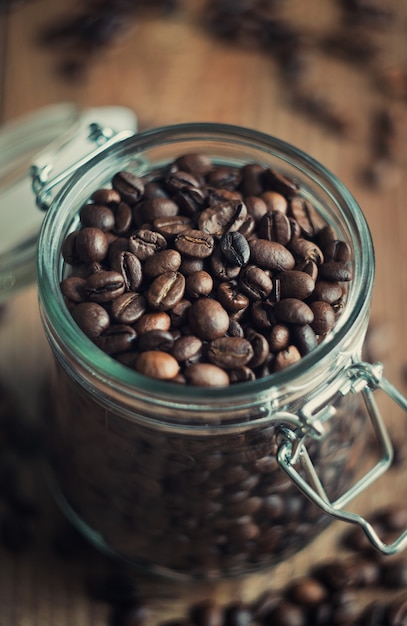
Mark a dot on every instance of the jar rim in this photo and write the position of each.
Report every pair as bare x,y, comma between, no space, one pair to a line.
99,365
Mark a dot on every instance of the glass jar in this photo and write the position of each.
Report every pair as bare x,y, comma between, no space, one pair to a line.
207,483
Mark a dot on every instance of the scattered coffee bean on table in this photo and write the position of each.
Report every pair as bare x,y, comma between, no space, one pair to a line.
217,274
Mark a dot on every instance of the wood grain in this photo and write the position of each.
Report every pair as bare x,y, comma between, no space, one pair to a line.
170,70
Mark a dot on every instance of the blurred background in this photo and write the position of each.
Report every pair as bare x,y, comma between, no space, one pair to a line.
329,76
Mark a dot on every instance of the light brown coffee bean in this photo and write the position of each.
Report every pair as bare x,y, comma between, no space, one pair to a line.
206,375
157,364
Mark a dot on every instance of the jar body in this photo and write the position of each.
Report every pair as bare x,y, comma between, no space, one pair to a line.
174,478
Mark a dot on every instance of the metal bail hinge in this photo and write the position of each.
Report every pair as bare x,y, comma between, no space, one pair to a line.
361,378
43,185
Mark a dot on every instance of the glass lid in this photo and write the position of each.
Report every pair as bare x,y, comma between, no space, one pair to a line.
56,136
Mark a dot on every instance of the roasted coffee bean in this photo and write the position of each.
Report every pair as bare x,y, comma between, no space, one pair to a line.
306,250
91,245
337,251
276,181
309,267
336,271
107,197
279,338
230,352
194,243
129,186
199,284
117,338
157,364
235,248
260,348
186,348
97,216
285,358
224,217
104,286
72,288
179,313
208,319
129,266
324,317
256,207
69,252
206,375
155,340
231,298
274,201
270,255
144,243
154,208
170,227
221,268
295,284
255,282
241,375
275,226
327,291
304,337
163,261
262,315
128,308
153,321
122,219
91,318
166,291
305,215
178,180
293,311
195,163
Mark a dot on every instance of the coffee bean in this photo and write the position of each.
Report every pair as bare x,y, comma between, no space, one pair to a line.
186,348
276,181
279,338
295,284
304,338
73,288
275,226
195,163
117,338
327,291
166,291
293,311
255,283
91,318
194,243
163,261
336,271
324,317
306,591
91,244
208,319
157,364
231,298
155,340
97,216
144,243
199,284
129,266
104,286
107,197
122,219
256,207
305,215
230,352
271,255
206,375
154,208
153,321
224,217
235,248
170,227
306,250
285,358
221,268
129,186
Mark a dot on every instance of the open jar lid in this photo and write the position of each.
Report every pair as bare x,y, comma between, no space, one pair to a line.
57,135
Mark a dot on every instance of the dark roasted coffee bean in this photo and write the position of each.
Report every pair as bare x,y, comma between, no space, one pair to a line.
104,286
279,338
270,255
198,284
206,375
170,227
275,226
324,317
166,291
260,347
122,219
179,313
262,315
129,186
91,318
144,243
224,177
128,308
153,321
163,261
231,298
255,282
72,288
295,284
285,358
230,352
306,591
208,319
309,267
157,364
117,338
336,271
241,375
327,291
251,179
276,181
305,250
179,180
293,311
97,216
305,215
221,268
154,208
186,348
91,245
235,329
235,248
129,266
195,163
69,252
155,340
224,217
194,243
107,197
304,337
337,251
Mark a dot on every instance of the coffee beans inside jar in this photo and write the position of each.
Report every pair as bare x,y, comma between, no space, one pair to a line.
205,274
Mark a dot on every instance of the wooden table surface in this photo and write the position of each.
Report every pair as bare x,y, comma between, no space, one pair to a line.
169,69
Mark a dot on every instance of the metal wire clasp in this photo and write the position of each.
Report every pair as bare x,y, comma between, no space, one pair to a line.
363,378
43,185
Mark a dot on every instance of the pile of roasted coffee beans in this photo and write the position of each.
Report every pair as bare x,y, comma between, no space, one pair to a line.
205,274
